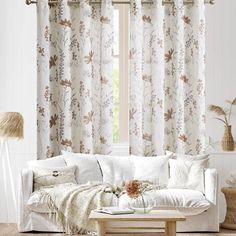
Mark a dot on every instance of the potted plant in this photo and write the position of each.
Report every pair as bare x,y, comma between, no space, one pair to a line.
224,115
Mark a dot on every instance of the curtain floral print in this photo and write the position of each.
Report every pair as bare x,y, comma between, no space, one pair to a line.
74,77
167,88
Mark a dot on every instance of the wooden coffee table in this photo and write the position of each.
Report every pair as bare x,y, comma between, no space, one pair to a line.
169,217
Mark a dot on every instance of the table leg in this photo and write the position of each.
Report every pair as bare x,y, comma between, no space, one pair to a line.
101,228
171,228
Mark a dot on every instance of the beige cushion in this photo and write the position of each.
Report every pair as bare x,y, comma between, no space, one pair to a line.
53,175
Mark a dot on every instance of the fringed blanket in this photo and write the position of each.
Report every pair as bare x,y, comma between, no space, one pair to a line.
73,203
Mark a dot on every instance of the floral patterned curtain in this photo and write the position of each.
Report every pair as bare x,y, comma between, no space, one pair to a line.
74,77
167,83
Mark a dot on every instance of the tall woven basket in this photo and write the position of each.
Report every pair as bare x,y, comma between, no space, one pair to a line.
228,140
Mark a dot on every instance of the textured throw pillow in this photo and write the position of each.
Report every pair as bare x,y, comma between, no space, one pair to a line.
154,169
57,161
87,167
48,176
185,174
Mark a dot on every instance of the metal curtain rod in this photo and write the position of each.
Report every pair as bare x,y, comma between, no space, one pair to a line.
71,2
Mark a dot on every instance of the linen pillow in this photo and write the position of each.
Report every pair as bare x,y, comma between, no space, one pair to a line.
87,167
57,161
48,176
185,174
154,169
116,169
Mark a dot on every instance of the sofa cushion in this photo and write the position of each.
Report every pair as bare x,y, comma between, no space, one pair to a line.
57,161
47,176
88,168
154,169
190,202
116,170
186,174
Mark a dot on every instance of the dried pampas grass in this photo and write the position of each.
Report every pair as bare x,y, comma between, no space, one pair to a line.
217,109
11,125
222,111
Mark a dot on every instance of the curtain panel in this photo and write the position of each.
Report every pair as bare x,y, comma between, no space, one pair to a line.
74,77
167,77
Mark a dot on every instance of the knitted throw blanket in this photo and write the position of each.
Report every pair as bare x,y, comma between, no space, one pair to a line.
73,203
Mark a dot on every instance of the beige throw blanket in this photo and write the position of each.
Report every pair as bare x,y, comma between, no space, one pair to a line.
73,203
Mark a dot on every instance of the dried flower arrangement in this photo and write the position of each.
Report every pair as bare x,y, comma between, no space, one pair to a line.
135,189
225,116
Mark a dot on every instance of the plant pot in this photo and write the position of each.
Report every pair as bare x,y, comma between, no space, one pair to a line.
228,140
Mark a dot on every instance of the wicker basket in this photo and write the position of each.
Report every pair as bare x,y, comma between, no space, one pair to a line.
228,140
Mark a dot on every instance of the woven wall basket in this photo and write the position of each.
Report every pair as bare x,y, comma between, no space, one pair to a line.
228,140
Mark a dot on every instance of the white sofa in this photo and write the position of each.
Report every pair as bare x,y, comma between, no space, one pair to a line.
201,209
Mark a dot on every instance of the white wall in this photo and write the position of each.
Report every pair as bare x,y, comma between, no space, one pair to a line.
221,63
18,71
18,82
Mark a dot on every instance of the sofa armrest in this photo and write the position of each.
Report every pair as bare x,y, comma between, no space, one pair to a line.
211,185
26,184
25,190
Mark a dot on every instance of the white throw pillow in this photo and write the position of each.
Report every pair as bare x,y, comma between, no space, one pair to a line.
154,169
47,176
57,161
116,169
87,167
188,157
186,174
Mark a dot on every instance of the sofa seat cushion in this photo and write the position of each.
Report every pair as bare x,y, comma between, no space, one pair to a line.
38,202
189,202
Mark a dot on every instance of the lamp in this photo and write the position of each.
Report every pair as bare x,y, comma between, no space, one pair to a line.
11,126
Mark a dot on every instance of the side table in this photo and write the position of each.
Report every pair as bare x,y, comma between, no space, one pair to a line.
230,217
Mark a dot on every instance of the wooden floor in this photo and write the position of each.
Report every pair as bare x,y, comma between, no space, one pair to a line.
11,230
